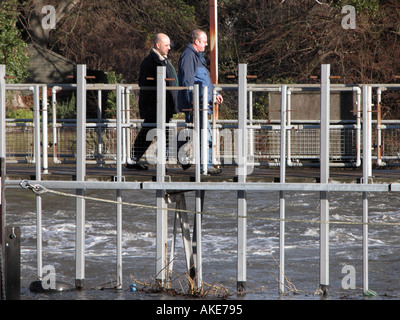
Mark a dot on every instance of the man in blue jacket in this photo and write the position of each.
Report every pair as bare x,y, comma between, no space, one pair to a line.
192,69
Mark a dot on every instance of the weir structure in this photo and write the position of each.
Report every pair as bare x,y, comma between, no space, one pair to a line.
169,191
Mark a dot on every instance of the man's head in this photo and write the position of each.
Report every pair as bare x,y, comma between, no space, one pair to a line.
199,40
162,43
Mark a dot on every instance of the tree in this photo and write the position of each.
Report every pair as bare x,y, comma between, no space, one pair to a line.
33,15
290,40
12,47
113,35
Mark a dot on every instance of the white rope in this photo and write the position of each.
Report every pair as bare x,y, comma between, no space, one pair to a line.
38,189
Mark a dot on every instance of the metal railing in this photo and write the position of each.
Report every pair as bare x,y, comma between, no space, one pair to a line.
58,137
244,143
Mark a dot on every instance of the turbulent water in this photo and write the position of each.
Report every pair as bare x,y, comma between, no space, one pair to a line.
219,242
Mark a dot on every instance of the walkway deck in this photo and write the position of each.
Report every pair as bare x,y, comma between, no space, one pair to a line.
176,174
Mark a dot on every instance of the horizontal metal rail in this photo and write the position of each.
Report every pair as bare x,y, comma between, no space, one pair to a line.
243,138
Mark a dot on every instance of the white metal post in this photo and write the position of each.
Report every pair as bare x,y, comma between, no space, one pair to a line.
242,173
367,173
2,111
197,233
80,174
162,214
99,129
45,139
38,198
196,132
118,192
282,203
161,126
36,124
204,132
2,172
54,122
324,177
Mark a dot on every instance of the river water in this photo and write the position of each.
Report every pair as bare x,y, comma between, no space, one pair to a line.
219,243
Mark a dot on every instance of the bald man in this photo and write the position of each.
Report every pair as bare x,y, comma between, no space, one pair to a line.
148,98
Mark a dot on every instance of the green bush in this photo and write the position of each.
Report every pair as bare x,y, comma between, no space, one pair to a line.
66,109
12,47
20,114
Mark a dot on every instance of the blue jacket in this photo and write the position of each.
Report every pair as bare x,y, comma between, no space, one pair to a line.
192,69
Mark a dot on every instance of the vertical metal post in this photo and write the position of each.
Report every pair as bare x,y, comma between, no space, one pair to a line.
216,157
45,139
324,177
242,124
365,239
187,244
179,198
118,92
9,237
162,214
199,194
13,263
2,111
197,235
124,107
2,226
99,129
128,130
242,173
80,174
118,192
213,40
2,177
251,131
119,240
242,241
196,132
39,247
38,198
204,132
367,172
161,126
281,193
54,123
36,123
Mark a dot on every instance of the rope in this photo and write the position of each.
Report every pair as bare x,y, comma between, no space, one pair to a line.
38,189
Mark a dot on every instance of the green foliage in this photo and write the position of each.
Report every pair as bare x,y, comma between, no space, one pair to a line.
12,47
369,6
110,111
260,107
20,114
66,109
112,77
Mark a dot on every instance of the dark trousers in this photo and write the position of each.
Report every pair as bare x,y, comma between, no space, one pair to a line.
141,143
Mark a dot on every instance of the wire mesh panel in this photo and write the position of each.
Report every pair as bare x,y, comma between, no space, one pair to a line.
19,141
302,144
266,144
101,143
389,144
66,143
343,143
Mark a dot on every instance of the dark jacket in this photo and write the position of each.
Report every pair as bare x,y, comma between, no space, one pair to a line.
148,98
192,69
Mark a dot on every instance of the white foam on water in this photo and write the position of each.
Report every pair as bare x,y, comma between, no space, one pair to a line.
219,241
